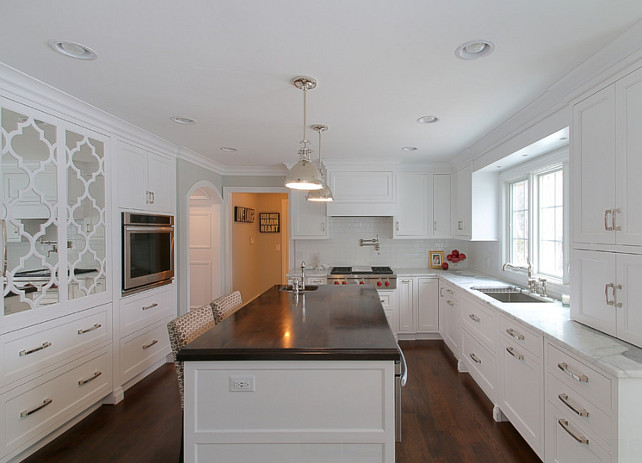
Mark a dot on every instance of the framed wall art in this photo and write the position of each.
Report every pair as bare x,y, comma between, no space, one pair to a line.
243,214
269,222
436,258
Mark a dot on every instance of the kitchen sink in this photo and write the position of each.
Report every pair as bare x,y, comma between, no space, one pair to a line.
290,289
511,294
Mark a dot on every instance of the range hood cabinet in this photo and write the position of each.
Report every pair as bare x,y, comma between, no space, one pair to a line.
361,193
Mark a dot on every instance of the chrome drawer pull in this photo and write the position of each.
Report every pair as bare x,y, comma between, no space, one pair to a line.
34,410
474,357
606,219
22,353
85,381
564,398
576,376
512,352
95,327
450,303
150,306
474,318
147,346
567,427
450,291
515,334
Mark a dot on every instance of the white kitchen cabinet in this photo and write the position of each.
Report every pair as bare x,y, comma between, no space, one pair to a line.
418,299
606,162
308,219
413,205
476,200
359,192
521,380
405,290
427,305
606,292
143,332
146,180
590,416
450,317
388,300
441,206
479,341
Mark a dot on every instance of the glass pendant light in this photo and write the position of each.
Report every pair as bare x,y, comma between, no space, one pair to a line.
324,195
304,175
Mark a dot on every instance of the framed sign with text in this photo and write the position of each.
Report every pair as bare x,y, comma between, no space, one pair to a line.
243,214
269,222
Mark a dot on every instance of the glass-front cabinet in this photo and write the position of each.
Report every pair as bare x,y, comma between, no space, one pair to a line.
53,215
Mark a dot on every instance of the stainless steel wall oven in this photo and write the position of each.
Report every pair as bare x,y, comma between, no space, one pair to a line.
148,251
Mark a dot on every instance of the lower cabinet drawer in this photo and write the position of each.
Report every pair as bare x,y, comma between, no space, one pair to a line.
39,348
482,364
569,442
143,310
581,409
33,410
480,320
582,378
141,351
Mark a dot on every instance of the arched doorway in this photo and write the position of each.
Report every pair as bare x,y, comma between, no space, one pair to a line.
205,259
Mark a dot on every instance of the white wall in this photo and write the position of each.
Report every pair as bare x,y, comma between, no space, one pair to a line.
343,246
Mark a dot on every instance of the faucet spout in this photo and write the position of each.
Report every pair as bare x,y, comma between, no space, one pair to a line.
303,275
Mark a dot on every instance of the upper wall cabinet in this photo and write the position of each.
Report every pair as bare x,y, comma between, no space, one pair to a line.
308,219
52,177
414,204
475,205
606,163
422,206
361,193
146,180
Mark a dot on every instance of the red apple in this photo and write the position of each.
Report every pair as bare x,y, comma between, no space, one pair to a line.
455,259
444,265
449,257
462,256
455,253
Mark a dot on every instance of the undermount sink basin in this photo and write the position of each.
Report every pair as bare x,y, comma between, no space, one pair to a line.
290,289
511,294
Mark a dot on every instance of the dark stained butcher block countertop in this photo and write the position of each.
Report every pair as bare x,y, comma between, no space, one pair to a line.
331,323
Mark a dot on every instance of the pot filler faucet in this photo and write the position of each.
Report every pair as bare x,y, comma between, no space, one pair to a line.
536,285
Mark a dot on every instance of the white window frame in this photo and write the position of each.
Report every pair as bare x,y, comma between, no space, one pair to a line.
531,170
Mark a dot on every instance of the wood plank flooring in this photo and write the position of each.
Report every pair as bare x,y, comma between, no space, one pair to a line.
446,418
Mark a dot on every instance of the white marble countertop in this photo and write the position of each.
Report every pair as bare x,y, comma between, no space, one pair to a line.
616,357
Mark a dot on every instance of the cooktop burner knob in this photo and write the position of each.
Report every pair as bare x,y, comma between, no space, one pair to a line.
362,282
379,283
387,283
344,282
336,282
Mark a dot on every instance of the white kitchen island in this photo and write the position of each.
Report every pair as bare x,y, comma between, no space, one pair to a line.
308,378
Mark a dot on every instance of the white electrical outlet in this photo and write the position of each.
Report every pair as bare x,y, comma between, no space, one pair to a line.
241,383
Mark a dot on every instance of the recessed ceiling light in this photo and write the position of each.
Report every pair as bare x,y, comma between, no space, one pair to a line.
427,119
410,148
73,49
228,148
474,49
183,120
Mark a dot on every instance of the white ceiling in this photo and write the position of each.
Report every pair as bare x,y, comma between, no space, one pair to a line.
380,64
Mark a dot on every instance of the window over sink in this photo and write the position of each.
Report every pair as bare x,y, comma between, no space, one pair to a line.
535,218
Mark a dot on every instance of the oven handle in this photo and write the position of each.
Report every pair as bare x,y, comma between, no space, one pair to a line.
404,367
150,228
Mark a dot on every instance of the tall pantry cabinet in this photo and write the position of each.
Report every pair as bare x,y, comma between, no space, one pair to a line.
55,310
606,165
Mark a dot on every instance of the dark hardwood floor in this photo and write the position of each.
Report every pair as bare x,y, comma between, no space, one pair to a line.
446,418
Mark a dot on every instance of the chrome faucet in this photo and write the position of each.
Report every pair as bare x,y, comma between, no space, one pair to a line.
302,275
532,282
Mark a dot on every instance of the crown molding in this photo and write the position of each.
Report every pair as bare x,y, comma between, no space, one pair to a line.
273,171
613,60
22,88
200,160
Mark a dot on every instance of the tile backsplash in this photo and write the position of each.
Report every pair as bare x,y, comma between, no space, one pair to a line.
343,247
